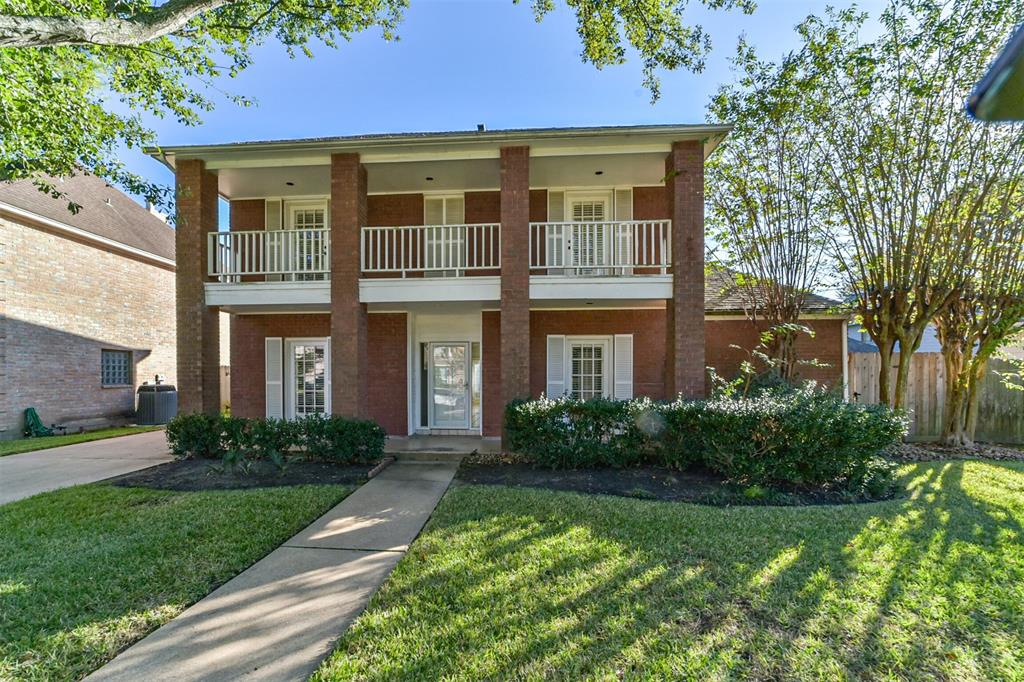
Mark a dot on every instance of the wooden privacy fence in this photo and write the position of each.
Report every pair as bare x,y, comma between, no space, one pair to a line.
1000,413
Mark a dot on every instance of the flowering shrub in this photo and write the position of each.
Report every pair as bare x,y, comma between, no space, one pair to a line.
808,437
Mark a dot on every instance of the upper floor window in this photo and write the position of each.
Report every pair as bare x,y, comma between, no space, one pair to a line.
116,367
444,210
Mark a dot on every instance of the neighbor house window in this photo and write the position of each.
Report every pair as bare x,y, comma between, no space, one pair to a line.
116,367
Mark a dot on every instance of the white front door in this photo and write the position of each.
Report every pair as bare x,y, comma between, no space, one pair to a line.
449,385
308,378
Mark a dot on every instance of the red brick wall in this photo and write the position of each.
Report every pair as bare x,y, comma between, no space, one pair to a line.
684,185
198,343
538,205
646,326
247,215
349,366
62,302
248,354
483,207
826,347
394,210
388,382
494,408
515,273
650,203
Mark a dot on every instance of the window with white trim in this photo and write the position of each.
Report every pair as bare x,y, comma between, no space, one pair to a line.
590,366
116,367
587,369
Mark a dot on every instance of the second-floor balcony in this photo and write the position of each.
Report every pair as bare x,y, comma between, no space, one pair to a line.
567,260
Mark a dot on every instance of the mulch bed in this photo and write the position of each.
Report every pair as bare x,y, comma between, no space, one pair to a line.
922,452
208,474
646,482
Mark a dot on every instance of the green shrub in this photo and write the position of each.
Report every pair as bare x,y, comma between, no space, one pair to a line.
340,439
239,439
807,437
567,433
195,435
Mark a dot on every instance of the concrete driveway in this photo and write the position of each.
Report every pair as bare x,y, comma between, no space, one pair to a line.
36,472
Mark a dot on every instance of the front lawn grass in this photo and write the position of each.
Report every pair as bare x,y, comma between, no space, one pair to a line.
87,570
14,447
512,583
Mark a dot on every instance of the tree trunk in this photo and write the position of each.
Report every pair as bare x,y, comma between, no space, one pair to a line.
973,400
956,396
885,346
899,400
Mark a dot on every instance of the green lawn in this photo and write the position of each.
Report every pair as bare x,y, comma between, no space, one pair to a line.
87,570
13,447
528,584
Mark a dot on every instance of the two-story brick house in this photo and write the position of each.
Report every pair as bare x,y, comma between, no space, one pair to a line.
425,280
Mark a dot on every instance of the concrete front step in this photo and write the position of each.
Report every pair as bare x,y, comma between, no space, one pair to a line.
428,456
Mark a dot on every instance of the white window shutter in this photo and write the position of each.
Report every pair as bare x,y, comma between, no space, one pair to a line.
433,211
455,210
273,214
274,374
556,207
556,366
624,204
623,366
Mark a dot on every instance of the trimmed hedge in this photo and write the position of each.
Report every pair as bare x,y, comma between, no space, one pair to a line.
807,437
329,438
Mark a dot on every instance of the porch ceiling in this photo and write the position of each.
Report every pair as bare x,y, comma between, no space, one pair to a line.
592,170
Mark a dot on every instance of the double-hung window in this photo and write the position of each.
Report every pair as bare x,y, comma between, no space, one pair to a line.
116,367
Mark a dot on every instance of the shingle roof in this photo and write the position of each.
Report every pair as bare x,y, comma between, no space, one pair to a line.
106,212
723,296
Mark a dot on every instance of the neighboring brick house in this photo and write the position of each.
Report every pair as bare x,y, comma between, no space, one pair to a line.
425,280
86,303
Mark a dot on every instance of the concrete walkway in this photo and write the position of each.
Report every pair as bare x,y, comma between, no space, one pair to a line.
280,618
35,472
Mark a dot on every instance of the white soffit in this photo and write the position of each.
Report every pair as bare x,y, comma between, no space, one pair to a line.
464,175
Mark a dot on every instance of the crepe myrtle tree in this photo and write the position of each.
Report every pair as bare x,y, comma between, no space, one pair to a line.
908,174
79,75
988,312
766,199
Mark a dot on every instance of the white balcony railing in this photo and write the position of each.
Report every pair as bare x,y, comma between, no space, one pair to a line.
439,250
277,254
616,248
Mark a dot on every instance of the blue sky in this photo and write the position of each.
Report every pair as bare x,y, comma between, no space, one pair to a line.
463,62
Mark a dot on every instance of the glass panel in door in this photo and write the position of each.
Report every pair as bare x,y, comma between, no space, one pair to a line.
449,376
589,240
309,373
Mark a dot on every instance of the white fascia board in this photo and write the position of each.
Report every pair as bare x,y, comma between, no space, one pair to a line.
461,145
429,289
595,288
238,295
84,235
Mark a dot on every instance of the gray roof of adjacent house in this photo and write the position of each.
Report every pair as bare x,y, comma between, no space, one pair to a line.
106,212
722,295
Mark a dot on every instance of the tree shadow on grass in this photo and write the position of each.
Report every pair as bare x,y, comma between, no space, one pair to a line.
508,584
